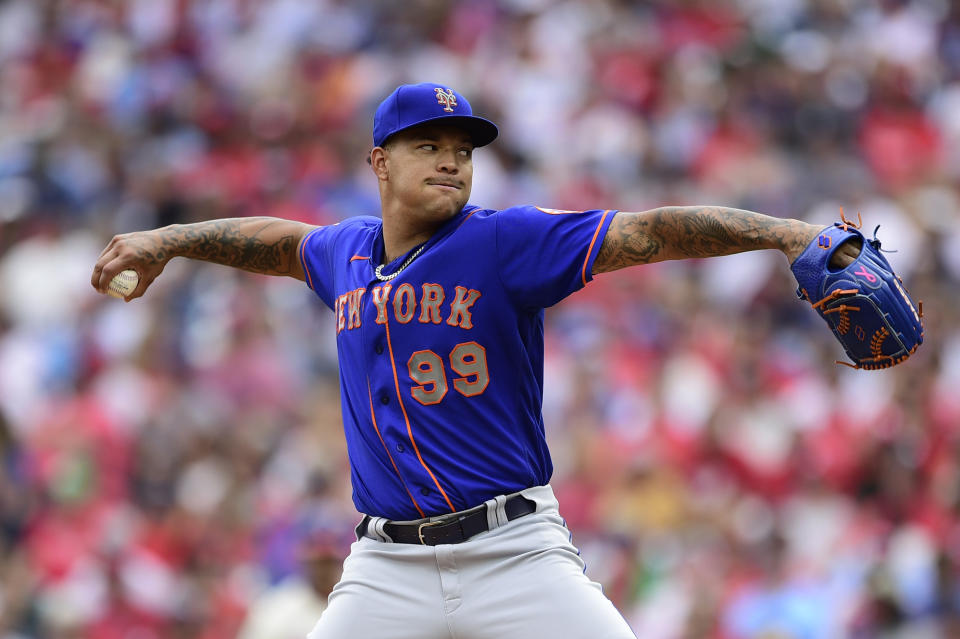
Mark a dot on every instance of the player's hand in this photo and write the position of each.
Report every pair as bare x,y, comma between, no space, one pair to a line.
846,254
807,233
142,251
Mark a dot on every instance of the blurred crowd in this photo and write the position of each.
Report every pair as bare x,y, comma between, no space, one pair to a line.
170,463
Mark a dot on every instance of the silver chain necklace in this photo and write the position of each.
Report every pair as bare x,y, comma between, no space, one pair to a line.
386,278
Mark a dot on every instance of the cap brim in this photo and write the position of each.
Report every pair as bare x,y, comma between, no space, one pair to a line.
482,131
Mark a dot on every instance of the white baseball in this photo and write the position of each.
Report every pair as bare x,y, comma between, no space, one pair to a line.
123,283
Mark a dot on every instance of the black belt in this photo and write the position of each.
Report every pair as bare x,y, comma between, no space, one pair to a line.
453,528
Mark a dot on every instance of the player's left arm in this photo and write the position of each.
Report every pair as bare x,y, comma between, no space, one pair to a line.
680,232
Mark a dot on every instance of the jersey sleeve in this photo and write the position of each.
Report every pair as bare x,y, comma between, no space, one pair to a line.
544,255
316,256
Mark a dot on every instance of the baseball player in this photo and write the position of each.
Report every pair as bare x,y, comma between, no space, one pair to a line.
439,319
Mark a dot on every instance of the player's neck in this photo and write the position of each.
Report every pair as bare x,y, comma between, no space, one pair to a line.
403,232
399,239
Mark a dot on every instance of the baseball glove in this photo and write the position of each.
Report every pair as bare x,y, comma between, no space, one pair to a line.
865,303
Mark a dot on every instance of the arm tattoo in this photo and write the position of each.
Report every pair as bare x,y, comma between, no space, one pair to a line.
629,240
247,243
693,231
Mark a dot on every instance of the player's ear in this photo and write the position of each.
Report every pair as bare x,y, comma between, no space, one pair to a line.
378,162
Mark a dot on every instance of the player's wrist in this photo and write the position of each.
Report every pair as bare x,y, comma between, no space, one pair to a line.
169,242
797,238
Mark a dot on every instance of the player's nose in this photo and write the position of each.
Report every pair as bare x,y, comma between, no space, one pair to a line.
447,163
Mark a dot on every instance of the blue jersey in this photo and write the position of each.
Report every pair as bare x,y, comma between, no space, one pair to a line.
441,368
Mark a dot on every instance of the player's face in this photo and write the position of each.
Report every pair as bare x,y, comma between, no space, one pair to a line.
428,171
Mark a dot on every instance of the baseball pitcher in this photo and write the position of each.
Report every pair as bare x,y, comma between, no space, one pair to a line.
439,319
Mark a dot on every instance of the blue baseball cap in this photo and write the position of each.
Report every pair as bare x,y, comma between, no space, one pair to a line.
413,104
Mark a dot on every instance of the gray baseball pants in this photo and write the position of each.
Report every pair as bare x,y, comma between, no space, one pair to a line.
522,579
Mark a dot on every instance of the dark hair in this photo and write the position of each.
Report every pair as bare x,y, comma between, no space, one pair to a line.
386,144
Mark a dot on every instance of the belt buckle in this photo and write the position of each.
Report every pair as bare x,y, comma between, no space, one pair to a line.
425,525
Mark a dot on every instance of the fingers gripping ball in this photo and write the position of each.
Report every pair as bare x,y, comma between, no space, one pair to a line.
123,284
865,304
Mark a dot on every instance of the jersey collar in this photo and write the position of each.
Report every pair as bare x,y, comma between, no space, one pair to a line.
451,225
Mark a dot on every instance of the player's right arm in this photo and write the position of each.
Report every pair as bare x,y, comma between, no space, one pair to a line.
265,245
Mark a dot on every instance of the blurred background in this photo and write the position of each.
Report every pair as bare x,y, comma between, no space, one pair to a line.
174,464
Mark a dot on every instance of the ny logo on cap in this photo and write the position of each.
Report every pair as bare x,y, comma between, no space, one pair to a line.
446,98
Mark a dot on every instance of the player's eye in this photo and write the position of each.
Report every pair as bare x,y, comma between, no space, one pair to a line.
465,152
428,147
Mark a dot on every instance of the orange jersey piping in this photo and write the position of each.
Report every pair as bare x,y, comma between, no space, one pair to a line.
592,242
376,428
403,408
466,218
303,263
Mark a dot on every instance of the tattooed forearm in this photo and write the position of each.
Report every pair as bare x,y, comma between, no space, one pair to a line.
264,245
258,244
680,232
246,243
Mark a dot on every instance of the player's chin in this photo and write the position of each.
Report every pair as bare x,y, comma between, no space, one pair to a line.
448,203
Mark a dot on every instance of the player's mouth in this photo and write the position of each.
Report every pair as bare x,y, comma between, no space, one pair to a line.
446,185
